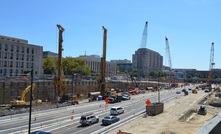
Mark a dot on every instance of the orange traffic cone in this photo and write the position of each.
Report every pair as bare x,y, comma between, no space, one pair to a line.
72,117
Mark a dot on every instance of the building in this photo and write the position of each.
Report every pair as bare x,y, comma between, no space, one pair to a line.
121,61
145,60
47,54
124,65
94,62
17,56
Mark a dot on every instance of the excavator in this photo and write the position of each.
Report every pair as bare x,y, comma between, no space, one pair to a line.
20,100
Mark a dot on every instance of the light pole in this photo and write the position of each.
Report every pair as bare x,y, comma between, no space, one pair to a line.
72,89
75,78
158,87
30,106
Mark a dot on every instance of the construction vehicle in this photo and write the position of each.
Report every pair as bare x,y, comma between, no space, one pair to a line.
194,91
59,81
20,100
105,92
202,110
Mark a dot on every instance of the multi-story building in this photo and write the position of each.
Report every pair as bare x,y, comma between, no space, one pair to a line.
47,54
17,56
145,60
124,65
94,62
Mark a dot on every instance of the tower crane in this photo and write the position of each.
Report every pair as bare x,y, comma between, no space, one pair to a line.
170,63
211,64
58,80
144,37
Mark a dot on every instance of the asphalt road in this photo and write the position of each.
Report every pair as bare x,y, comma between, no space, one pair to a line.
59,120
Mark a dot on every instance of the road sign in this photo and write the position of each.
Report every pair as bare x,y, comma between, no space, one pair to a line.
148,103
106,100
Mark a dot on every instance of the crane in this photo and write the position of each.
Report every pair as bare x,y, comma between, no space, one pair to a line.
170,62
211,64
103,64
58,81
144,37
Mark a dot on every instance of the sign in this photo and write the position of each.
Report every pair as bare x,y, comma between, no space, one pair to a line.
106,100
148,103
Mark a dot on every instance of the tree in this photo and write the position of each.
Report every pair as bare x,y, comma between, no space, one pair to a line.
75,65
49,65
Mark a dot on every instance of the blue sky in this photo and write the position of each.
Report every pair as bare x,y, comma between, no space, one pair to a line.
190,25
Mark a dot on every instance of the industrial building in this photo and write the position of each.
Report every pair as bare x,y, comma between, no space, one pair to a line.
145,60
18,56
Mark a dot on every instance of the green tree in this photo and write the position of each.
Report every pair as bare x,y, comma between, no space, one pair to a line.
49,65
75,65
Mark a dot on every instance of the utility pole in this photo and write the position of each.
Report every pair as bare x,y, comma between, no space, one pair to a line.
30,106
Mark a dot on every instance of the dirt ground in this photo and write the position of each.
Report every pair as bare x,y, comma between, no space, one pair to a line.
174,119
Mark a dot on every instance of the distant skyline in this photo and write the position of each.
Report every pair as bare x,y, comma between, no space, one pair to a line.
190,26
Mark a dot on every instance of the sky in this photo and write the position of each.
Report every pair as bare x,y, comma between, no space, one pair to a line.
190,26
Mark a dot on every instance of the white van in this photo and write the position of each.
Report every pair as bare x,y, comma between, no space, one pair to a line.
116,110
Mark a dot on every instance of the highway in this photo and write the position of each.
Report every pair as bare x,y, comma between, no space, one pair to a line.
59,120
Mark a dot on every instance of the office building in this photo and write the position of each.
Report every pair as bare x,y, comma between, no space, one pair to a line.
145,60
18,56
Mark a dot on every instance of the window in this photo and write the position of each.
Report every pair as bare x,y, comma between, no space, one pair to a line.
5,63
11,56
11,64
0,46
23,49
17,48
12,48
16,56
5,55
32,51
27,50
6,47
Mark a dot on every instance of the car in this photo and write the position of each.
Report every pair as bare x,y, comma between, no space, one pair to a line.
40,132
126,97
116,110
178,92
89,119
108,120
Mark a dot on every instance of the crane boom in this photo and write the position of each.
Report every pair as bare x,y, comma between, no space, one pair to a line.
144,37
211,64
171,76
168,52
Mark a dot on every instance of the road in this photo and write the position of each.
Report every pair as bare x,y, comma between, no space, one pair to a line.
59,120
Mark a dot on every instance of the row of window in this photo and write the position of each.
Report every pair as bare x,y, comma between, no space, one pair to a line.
18,56
11,48
17,64
10,72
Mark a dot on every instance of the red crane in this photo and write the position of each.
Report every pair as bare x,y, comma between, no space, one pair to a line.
211,64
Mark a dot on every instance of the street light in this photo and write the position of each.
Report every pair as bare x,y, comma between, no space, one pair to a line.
73,79
158,87
30,106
